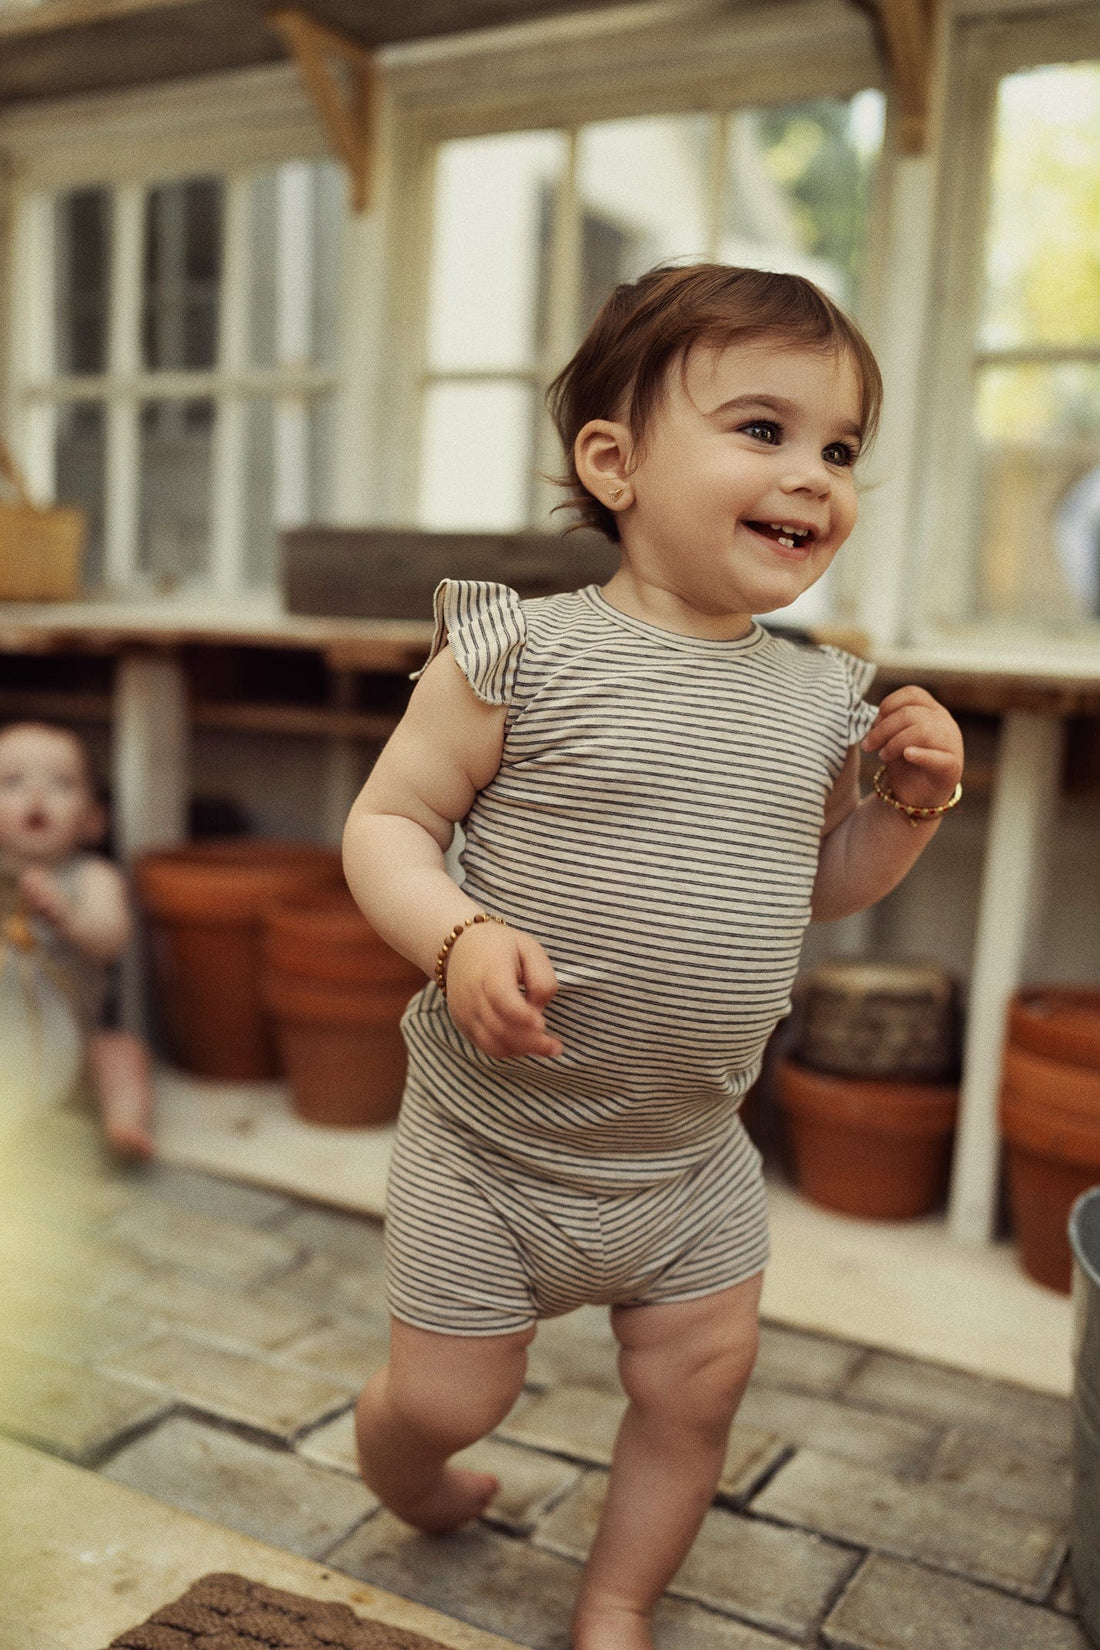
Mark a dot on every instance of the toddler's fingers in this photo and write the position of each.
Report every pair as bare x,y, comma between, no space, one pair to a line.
926,756
540,983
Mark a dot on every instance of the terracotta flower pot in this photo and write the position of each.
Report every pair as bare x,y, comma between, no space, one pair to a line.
203,902
336,993
1062,1023
1050,1119
868,1147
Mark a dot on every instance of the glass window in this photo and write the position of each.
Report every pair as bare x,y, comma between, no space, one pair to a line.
82,225
1037,380
533,230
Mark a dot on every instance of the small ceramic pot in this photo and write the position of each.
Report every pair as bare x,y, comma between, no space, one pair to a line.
203,903
868,1147
1062,1023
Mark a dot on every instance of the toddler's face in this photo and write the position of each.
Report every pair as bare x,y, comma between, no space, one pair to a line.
743,487
46,804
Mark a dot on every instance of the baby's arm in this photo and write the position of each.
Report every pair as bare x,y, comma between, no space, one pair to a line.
95,920
446,748
867,846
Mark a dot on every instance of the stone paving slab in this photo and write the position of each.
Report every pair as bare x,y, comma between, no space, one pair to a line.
58,1325
84,1559
806,1363
260,1393
70,1411
354,1242
220,1249
580,1423
206,1194
92,1270
489,1580
678,1625
838,1429
870,1509
578,1349
777,1579
346,1351
1021,1479
273,1496
894,1606
322,1283
211,1311
955,1399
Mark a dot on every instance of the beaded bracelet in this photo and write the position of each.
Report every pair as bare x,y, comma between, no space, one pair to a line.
445,948
915,816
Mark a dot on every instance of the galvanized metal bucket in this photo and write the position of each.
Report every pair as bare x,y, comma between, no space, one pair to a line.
1084,1237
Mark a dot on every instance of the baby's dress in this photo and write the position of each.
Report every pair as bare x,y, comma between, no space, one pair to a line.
50,998
655,823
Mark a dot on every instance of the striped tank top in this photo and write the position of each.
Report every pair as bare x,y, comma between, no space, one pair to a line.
655,823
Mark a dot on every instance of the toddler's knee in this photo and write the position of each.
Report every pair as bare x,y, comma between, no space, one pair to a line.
700,1392
451,1415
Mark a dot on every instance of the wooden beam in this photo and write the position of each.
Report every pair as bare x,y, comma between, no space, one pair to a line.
908,35
347,111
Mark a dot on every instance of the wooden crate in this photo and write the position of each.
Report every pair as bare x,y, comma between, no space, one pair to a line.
391,572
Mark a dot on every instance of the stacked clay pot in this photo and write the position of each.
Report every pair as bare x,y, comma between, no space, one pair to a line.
869,1095
335,993
203,904
1050,1119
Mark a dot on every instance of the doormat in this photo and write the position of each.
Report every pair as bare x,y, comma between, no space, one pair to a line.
229,1612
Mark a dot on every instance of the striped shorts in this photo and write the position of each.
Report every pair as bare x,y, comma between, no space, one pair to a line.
476,1247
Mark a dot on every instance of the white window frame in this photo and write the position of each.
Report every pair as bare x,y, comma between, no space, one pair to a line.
630,62
983,49
227,126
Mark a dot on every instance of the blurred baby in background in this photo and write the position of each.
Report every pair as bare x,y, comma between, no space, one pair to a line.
64,920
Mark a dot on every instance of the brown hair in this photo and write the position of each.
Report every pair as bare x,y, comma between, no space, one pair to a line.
620,370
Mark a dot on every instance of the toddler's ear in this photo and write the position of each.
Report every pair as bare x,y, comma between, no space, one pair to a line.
602,454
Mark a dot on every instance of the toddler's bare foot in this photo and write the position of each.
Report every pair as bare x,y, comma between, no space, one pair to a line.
610,1627
129,1139
457,1497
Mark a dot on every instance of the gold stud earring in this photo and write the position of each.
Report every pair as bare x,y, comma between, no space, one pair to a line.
617,494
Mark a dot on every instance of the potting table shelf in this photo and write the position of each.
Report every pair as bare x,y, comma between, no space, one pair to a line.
1032,686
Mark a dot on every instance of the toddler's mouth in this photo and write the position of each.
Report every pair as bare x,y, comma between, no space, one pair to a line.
784,533
36,820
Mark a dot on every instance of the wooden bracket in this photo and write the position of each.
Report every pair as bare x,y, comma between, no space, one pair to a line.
347,109
908,36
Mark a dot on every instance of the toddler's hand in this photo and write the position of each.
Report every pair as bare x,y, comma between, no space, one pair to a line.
486,969
920,745
43,895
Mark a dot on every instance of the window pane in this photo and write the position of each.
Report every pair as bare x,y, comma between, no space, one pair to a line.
477,460
1043,243
183,255
798,189
298,218
80,476
82,223
642,188
174,521
287,477
1039,503
493,207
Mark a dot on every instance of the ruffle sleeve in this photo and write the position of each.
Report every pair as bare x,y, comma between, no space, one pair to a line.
858,675
486,629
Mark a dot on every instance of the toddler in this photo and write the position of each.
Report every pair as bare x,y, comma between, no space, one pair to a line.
64,918
657,796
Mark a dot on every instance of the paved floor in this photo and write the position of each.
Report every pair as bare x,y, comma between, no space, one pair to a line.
203,1342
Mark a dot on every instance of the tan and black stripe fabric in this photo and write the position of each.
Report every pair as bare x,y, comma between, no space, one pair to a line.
655,823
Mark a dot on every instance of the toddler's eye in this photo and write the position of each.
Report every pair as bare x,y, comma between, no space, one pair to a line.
762,429
840,453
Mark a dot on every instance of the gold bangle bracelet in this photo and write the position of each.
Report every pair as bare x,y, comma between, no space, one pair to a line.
915,816
445,948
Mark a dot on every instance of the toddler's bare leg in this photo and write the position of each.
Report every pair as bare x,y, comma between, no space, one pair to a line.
437,1394
123,1083
684,1366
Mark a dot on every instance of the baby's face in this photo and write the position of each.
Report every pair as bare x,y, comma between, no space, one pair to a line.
46,804
743,486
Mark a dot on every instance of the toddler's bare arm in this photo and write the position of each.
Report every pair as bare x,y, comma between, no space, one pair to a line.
446,748
866,846
95,919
